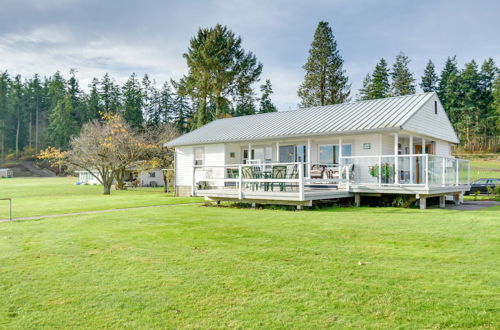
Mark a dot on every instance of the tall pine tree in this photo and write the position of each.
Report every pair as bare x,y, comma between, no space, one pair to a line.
325,80
364,91
403,82
448,88
62,124
132,101
379,87
429,79
265,103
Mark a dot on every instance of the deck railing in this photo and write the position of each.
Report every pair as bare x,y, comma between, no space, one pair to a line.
269,178
296,178
418,169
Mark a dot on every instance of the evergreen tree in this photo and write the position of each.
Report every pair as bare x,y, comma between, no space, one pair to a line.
325,80
403,82
487,77
218,68
495,114
379,87
62,124
266,105
4,111
468,114
245,105
109,94
93,106
448,89
76,96
132,102
17,114
429,79
167,112
364,92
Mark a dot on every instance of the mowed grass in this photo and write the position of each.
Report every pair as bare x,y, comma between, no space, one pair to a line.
42,196
206,267
487,166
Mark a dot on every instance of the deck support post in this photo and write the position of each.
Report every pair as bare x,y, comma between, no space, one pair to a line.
301,181
442,202
422,202
456,199
357,199
299,207
253,205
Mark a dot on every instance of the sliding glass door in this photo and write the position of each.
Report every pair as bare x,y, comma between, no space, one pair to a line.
329,153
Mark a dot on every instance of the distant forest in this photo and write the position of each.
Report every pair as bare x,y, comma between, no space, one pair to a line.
224,80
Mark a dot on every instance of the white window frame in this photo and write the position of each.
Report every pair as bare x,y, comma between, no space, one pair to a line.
331,145
202,156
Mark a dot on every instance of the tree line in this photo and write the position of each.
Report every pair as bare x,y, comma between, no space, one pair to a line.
470,96
47,111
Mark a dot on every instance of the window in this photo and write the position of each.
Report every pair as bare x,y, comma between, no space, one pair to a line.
329,153
480,181
198,156
435,107
152,174
287,154
367,145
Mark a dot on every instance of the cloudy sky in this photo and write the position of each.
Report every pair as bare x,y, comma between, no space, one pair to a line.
149,36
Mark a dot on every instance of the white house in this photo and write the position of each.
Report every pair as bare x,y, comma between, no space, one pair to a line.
397,145
148,178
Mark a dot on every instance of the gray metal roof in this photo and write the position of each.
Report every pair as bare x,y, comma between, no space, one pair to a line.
381,114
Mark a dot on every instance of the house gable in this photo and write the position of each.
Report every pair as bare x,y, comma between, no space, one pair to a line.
427,121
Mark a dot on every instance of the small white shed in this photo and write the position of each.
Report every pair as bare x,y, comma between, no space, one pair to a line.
6,173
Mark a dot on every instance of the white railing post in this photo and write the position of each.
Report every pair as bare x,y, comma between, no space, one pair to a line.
426,171
457,168
240,182
443,179
309,158
379,171
301,181
348,177
396,152
411,158
193,185
468,172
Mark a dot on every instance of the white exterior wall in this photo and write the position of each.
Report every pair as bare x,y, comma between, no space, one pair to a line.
442,148
213,155
146,179
427,122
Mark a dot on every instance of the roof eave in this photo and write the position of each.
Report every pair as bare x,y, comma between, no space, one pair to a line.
267,138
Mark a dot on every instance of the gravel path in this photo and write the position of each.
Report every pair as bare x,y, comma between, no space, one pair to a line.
92,212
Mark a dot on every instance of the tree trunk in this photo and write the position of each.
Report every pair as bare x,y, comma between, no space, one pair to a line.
17,137
107,189
165,179
30,129
119,175
36,129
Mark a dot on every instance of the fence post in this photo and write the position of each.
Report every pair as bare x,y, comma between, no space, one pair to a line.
240,183
426,171
379,170
443,179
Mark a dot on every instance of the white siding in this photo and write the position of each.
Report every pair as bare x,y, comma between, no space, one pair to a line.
443,148
426,122
183,166
213,155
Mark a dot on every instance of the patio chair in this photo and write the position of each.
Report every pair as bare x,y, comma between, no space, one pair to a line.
248,173
293,173
278,172
317,171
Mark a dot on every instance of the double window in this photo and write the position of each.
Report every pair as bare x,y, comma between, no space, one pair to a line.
261,154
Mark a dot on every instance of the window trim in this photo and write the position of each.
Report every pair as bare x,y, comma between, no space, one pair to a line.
202,156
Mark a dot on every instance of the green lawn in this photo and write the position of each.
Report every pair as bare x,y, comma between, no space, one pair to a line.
42,196
207,267
483,166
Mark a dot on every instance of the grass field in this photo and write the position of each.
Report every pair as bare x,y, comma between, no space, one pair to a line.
206,267
483,166
42,196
